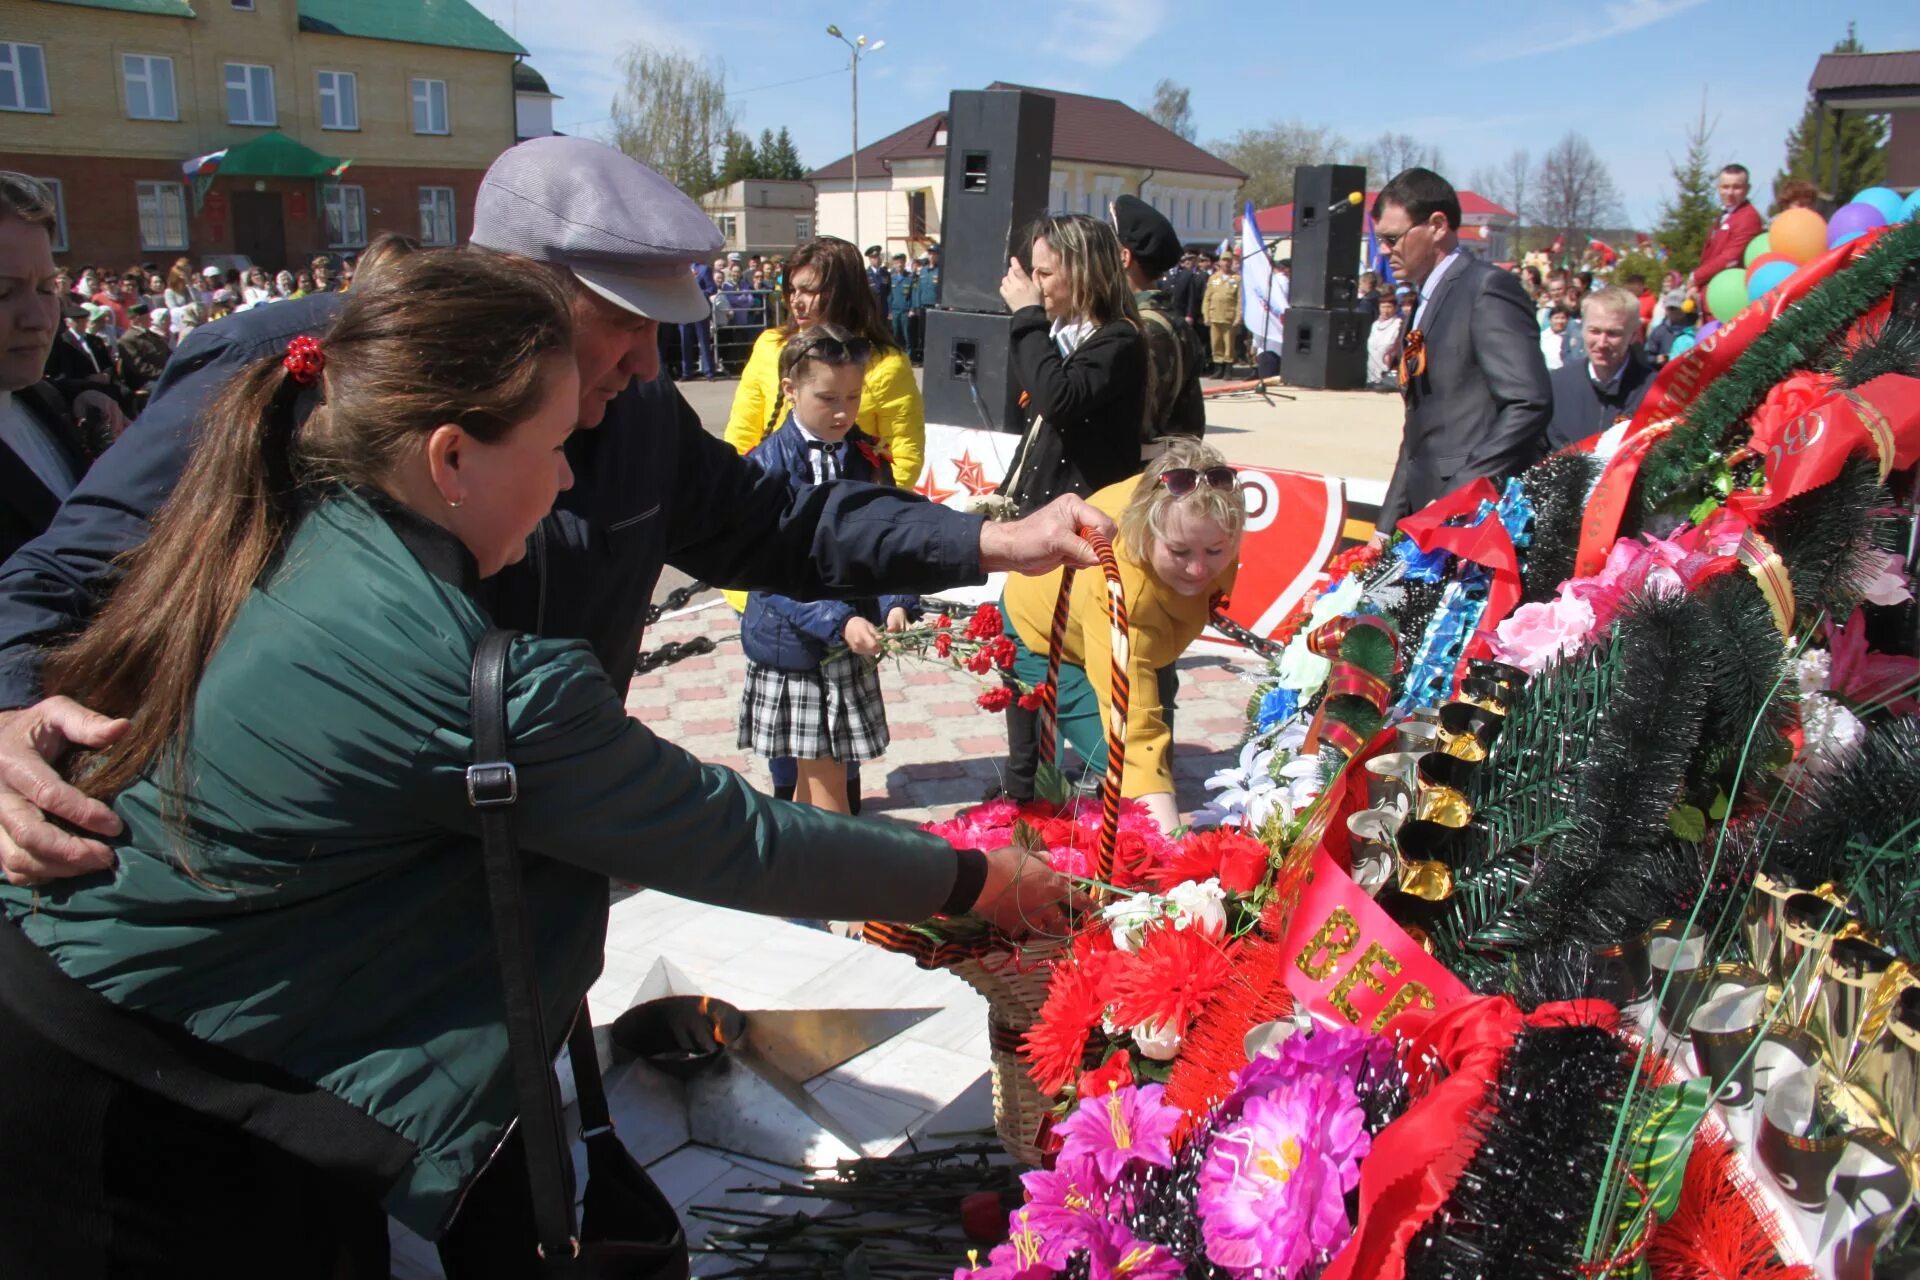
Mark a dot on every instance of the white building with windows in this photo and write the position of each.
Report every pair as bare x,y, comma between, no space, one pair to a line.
762,215
1102,148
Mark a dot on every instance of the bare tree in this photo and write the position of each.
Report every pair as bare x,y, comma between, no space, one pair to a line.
1172,108
1575,192
1391,152
1268,156
1509,183
671,114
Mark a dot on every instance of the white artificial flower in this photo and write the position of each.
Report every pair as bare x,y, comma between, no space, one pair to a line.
1201,904
1303,780
1129,917
1813,671
1158,1041
1300,667
1832,733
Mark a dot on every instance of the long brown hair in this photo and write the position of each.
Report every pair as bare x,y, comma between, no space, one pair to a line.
180,277
435,337
1097,288
845,299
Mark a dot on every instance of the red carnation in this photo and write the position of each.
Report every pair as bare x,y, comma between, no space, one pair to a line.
1240,861
985,623
1169,979
1031,701
998,698
1001,650
943,643
978,662
943,621
1115,1073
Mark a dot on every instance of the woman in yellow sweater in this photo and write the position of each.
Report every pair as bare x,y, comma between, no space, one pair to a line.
1179,545
826,280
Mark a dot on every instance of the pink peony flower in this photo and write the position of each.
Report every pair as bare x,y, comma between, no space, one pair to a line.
1273,1187
1111,1132
1535,634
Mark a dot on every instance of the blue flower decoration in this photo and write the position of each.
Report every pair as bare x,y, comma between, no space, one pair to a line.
1277,706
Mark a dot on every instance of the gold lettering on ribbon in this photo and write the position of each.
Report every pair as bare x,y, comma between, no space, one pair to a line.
1334,939
1362,975
1402,999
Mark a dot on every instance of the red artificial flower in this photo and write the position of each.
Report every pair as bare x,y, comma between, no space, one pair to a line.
1057,1041
998,698
1115,1073
1169,979
1031,701
1240,861
1001,650
985,623
1864,678
943,643
978,662
1790,398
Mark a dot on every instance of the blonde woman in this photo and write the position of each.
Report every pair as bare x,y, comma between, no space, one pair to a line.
1178,546
1080,359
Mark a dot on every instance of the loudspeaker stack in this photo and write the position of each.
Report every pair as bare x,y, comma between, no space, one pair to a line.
1326,337
999,167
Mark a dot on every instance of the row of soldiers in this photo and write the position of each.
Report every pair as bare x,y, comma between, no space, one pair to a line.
905,293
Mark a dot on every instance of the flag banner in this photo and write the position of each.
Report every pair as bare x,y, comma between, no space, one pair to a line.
1263,291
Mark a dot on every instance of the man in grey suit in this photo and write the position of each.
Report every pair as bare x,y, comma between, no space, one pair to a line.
1475,382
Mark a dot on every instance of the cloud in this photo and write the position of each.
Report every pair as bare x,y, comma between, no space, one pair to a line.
1103,32
1615,19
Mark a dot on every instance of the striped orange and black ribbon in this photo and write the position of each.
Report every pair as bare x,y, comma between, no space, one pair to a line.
1122,640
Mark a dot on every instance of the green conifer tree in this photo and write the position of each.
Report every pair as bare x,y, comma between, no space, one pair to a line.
1861,139
1687,219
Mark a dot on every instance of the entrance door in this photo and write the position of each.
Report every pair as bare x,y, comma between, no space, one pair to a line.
259,231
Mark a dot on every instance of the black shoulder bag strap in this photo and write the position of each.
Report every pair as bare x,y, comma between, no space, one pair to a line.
631,1230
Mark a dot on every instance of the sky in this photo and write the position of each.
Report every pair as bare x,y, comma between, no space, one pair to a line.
1477,81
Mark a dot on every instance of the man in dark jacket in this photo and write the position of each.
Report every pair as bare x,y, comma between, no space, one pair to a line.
1591,394
1148,246
877,278
1478,400
143,353
651,487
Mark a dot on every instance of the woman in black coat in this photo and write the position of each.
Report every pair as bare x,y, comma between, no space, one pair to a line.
1079,356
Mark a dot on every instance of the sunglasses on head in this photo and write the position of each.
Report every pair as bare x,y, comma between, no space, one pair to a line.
1181,481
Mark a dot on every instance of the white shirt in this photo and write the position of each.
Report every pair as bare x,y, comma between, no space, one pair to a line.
823,464
1069,335
1431,283
1380,340
1554,347
33,443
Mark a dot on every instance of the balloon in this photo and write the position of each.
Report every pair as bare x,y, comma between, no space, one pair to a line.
1764,259
1760,244
1911,209
1801,234
1727,294
1707,330
1765,279
1885,199
1852,220
1681,345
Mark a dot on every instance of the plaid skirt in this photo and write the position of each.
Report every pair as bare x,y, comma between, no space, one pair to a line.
834,712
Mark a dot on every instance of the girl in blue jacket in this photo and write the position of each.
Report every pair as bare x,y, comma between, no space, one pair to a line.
813,687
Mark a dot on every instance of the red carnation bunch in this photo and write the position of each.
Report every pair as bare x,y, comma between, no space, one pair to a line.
996,699
1238,861
982,647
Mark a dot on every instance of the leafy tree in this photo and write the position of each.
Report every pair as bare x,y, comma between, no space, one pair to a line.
1268,156
1687,219
1575,192
671,114
1172,108
1860,138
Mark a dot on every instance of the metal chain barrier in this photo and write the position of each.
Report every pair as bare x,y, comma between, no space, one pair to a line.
1234,631
674,650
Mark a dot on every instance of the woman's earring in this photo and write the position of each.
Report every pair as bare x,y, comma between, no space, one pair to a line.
454,502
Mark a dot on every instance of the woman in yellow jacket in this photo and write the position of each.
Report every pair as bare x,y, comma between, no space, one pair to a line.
827,280
1178,546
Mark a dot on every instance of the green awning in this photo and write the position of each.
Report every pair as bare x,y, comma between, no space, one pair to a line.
274,155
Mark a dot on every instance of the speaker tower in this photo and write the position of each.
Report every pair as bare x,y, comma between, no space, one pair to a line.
1326,234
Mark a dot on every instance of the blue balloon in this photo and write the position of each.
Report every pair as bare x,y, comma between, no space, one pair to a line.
1885,199
1767,278
1681,345
1911,209
1850,221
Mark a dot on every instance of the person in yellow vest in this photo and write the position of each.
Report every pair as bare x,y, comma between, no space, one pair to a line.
1178,548
1220,308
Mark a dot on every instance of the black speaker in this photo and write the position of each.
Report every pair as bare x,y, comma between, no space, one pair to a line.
999,172
967,378
1326,349
1326,234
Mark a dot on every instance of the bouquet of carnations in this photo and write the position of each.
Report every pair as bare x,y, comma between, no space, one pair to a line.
981,647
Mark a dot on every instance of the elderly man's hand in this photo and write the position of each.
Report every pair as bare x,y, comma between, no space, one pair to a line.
1045,540
1024,897
32,849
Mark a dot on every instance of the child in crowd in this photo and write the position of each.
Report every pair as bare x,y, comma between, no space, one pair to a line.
813,689
1555,341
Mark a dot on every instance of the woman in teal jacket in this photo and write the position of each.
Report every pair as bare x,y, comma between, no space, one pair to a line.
298,900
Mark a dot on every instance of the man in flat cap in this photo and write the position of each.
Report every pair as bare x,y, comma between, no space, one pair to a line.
1175,356
651,486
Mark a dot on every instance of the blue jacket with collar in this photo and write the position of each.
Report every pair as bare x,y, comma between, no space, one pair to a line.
778,631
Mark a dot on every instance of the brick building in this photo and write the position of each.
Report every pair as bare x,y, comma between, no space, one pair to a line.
274,129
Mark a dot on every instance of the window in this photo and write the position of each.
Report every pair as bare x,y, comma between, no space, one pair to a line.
339,100
346,209
23,78
59,212
436,215
430,106
244,6
149,87
802,229
163,214
729,225
250,94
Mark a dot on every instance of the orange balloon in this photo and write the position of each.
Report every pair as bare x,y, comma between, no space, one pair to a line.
1800,234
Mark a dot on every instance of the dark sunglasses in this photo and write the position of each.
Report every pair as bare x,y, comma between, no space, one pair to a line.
1181,481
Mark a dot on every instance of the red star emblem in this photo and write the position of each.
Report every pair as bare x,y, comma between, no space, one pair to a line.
930,490
971,476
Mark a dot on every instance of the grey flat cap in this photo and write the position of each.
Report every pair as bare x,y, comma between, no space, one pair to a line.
626,232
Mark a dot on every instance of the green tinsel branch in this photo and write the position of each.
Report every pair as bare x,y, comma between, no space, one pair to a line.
1798,337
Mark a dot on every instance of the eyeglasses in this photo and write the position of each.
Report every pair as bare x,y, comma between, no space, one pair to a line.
1392,238
1181,481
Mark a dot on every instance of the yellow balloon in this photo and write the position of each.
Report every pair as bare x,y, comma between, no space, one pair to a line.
1801,234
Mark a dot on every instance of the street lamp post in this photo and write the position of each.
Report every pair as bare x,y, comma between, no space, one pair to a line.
855,48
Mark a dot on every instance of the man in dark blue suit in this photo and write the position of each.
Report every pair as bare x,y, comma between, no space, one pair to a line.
1475,381
1609,379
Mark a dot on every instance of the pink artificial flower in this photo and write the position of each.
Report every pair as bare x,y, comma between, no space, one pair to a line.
1273,1187
1066,1202
1868,679
962,833
1535,634
1113,1131
1890,585
1114,1253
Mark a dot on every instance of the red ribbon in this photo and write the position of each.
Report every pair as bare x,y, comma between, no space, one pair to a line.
1453,1060
1880,418
1486,544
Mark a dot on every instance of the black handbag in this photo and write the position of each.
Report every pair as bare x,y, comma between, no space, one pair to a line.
628,1229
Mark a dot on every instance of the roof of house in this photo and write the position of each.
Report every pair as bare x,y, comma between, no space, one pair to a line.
452,24
527,80
157,8
1101,130
1866,71
1278,220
